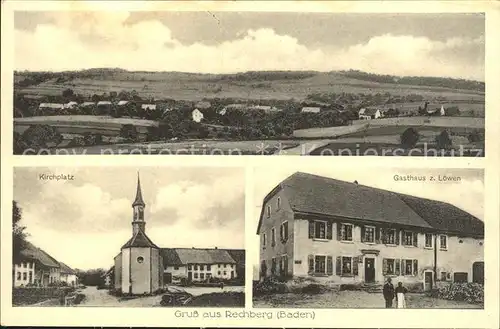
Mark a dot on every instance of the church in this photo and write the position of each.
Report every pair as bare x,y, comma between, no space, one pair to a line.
142,267
138,266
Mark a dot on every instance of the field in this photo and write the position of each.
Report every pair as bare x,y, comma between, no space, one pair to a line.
79,124
192,147
189,86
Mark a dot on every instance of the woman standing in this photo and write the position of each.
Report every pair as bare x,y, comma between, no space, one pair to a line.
400,295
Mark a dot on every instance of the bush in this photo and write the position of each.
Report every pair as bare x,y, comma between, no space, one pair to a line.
269,286
409,138
467,292
314,288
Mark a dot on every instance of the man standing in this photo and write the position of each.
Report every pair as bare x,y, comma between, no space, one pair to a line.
388,293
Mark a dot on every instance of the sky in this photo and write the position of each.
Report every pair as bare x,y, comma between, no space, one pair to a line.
450,45
84,222
468,194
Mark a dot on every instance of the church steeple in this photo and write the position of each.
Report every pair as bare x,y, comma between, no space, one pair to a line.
138,223
138,194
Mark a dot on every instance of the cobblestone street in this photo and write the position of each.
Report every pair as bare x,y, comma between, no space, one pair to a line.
352,299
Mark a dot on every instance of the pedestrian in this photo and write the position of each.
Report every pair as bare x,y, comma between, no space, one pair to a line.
400,295
388,292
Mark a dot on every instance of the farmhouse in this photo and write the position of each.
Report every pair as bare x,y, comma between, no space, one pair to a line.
68,275
41,269
340,232
195,264
50,106
370,113
142,267
197,115
148,107
309,109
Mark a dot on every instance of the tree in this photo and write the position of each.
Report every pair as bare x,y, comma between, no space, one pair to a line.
443,140
68,93
409,138
19,234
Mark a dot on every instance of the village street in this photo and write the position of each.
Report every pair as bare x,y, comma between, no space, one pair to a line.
352,299
94,297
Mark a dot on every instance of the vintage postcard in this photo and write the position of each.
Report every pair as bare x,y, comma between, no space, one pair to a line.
97,233
153,236
249,83
405,238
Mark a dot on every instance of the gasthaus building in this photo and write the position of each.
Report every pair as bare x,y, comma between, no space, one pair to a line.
345,233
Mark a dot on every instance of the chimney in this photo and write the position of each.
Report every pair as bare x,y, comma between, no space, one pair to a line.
356,182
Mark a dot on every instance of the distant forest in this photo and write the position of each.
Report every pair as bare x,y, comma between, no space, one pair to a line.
417,81
26,79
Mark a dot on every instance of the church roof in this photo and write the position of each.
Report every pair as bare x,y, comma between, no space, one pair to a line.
138,195
140,239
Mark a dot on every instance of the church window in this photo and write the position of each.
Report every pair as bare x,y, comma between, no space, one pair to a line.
140,259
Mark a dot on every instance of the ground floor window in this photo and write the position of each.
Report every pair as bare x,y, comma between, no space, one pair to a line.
319,264
409,267
389,266
25,276
460,277
346,265
195,275
273,266
31,278
202,276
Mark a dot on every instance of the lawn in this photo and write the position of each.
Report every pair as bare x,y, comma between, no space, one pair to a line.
353,299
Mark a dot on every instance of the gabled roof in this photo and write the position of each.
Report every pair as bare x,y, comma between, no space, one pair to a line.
317,195
368,111
65,269
444,216
238,255
184,256
170,257
36,254
140,240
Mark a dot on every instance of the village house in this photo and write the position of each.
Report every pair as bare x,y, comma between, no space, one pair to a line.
142,267
70,105
197,264
148,107
346,233
41,269
67,275
197,115
370,113
310,109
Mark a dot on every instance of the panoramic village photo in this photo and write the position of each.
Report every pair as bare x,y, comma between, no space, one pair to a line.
400,238
128,237
249,83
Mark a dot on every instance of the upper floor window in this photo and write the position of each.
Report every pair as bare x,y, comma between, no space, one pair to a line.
369,234
273,237
346,232
409,238
25,265
284,232
196,267
268,211
278,203
390,236
443,242
264,241
189,267
428,240
209,268
320,230
202,267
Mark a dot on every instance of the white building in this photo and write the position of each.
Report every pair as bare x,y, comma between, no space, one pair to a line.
197,115
369,113
311,109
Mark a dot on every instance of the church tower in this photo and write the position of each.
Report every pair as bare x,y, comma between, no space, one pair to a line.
138,206
139,265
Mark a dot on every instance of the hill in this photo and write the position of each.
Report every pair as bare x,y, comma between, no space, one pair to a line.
247,85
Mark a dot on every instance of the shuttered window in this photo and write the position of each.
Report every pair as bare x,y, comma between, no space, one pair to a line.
368,234
319,229
428,240
389,266
273,237
320,265
284,232
346,232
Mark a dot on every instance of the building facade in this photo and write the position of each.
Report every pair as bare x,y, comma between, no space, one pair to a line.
346,233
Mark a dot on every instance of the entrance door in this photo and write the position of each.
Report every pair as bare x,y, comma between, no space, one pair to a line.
167,278
428,281
190,276
369,269
478,272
